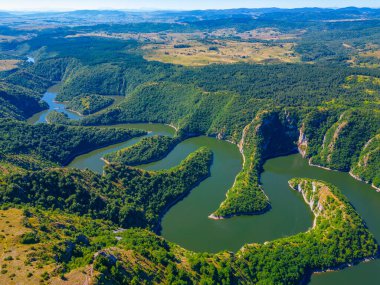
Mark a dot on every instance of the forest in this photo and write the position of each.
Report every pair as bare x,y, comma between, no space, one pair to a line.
147,150
89,104
126,196
56,143
18,102
226,114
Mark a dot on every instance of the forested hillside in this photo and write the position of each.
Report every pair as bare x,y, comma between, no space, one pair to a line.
147,150
63,246
203,110
282,263
18,102
126,196
89,104
219,100
345,139
54,143
367,166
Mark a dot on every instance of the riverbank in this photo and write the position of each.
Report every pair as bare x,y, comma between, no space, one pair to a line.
174,127
90,149
75,112
343,266
349,172
214,217
315,194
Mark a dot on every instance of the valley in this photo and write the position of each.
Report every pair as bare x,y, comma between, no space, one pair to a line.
190,215
237,149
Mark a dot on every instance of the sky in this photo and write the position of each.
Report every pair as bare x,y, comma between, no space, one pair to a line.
59,5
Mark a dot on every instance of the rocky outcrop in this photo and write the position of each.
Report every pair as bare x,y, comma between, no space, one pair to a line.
367,168
346,140
302,141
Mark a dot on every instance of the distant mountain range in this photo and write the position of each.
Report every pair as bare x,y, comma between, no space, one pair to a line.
299,14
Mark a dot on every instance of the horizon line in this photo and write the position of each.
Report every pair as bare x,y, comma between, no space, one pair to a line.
142,9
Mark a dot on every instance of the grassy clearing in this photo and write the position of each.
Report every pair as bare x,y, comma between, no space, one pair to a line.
367,57
266,34
196,53
199,49
14,256
39,247
9,64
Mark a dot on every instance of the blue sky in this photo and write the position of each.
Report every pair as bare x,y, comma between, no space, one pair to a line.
23,5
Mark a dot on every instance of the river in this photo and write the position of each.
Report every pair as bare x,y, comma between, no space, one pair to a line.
49,98
186,223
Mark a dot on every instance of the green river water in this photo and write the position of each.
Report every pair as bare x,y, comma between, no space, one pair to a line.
187,223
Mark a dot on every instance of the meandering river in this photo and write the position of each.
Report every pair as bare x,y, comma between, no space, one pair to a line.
186,223
49,98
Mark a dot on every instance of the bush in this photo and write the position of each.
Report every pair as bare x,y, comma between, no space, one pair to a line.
29,238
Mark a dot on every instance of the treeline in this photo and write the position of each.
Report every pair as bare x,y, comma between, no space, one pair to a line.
111,78
152,102
90,65
29,80
88,50
284,84
55,69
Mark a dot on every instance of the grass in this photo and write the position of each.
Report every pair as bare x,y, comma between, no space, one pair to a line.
8,64
369,51
266,34
14,256
37,261
213,47
227,51
373,53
